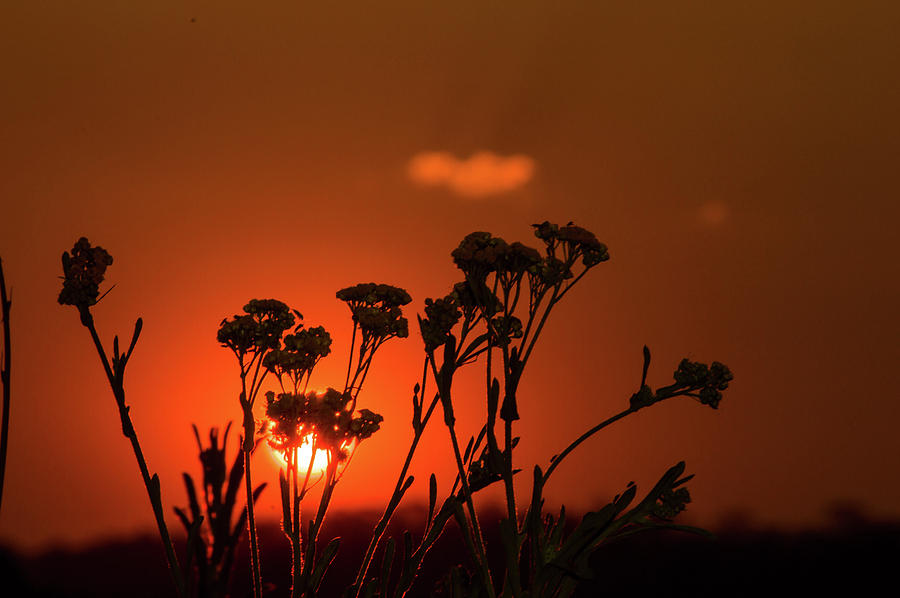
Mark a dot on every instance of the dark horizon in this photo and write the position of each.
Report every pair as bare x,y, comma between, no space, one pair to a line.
852,553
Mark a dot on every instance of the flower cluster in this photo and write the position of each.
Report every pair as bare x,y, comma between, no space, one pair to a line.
300,353
574,242
83,272
518,259
474,298
707,381
479,254
503,329
258,330
328,417
670,503
441,315
376,309
551,272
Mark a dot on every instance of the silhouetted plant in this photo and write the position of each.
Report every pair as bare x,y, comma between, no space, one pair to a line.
328,422
251,336
83,273
5,378
211,548
494,315
500,308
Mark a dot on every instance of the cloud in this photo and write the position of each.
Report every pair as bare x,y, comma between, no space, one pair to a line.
482,174
713,213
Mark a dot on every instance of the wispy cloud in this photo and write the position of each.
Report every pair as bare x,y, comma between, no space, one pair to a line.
713,213
481,175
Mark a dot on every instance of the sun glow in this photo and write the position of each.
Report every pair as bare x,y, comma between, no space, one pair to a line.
303,454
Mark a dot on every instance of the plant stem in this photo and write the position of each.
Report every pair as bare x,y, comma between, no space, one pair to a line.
397,495
394,502
476,529
449,421
350,358
513,571
309,560
558,459
251,520
5,305
296,544
151,483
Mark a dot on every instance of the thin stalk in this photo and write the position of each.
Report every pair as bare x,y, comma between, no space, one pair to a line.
480,556
394,501
249,437
558,459
507,433
296,545
537,331
513,563
476,528
153,490
350,358
309,559
251,524
5,305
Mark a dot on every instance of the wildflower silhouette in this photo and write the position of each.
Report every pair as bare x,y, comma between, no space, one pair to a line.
328,422
83,273
497,314
494,316
210,551
251,336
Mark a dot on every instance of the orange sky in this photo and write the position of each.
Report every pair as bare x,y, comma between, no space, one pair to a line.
739,162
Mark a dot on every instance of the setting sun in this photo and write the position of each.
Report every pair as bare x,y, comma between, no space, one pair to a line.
320,463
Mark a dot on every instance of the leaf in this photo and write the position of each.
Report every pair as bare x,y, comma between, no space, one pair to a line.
234,481
449,357
407,545
192,496
432,497
369,589
456,584
646,365
196,547
258,490
510,537
386,562
154,489
468,450
479,438
473,346
493,399
323,564
182,516
138,326
556,531
406,485
285,504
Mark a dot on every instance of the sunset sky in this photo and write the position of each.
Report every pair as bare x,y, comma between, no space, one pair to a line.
740,160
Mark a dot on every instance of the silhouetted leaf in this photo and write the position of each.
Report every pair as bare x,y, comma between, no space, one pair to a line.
386,561
323,564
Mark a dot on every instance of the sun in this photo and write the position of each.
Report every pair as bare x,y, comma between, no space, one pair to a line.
319,465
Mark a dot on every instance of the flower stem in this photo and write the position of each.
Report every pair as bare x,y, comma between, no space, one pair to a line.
5,305
309,559
151,483
476,528
251,520
397,495
558,459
